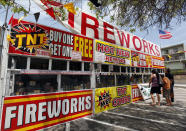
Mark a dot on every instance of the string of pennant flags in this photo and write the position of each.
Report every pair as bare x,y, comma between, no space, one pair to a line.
69,6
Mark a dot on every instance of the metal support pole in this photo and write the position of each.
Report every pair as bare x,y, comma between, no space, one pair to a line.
93,84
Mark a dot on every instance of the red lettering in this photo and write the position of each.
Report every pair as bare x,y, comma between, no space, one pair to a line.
71,19
106,32
107,49
127,40
145,46
151,48
85,25
134,42
99,47
157,49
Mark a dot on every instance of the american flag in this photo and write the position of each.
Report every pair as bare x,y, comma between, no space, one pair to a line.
164,34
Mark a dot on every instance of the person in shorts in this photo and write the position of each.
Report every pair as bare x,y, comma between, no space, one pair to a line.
167,89
155,88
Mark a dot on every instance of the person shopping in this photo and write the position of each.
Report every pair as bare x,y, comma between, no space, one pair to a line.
171,78
166,90
155,87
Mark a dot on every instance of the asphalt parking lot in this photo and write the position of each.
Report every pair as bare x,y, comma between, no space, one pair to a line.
139,116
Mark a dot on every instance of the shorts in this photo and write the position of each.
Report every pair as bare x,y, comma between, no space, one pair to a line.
166,93
155,90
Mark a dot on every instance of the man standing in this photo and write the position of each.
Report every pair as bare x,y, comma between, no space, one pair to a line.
171,78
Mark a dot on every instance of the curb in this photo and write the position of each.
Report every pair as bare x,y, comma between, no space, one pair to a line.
180,85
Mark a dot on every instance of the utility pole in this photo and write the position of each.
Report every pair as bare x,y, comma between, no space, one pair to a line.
3,29
3,61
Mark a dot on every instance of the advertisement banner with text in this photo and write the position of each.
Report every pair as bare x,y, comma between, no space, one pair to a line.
111,97
33,39
157,62
136,94
111,54
140,59
34,112
88,25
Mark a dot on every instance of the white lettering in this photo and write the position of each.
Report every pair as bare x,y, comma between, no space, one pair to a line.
30,113
73,105
41,110
9,115
20,115
88,101
53,110
65,107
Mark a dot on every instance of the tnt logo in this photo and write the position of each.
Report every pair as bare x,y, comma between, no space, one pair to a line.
28,38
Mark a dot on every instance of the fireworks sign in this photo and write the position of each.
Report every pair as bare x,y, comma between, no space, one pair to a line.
33,39
34,112
136,94
88,25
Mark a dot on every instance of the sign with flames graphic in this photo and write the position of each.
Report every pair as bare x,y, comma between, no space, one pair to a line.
33,39
111,97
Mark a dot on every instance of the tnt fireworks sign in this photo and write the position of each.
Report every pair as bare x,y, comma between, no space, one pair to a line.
31,39
34,112
111,97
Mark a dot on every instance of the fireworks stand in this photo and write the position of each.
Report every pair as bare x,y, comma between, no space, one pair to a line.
50,76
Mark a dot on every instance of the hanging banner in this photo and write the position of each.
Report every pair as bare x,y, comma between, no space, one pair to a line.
136,94
111,54
33,39
88,25
112,97
145,90
157,62
34,112
140,59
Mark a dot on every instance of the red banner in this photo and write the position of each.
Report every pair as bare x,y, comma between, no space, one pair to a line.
34,112
33,39
136,95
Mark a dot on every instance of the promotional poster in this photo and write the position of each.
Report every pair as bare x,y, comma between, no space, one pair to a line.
38,40
111,54
111,97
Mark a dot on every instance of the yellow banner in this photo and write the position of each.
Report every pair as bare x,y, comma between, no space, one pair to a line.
112,97
112,54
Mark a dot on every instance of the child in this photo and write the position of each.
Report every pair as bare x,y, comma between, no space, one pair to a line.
166,90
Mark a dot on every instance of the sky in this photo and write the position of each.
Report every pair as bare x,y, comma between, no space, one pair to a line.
178,31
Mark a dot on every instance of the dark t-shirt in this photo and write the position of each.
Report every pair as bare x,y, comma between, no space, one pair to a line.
171,77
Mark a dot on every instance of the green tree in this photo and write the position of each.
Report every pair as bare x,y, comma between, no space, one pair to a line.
141,14
14,6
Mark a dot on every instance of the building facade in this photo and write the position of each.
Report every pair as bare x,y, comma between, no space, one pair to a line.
175,56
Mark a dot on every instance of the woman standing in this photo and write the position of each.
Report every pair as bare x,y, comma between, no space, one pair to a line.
155,88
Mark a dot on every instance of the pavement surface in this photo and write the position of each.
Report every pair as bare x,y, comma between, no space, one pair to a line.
139,116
